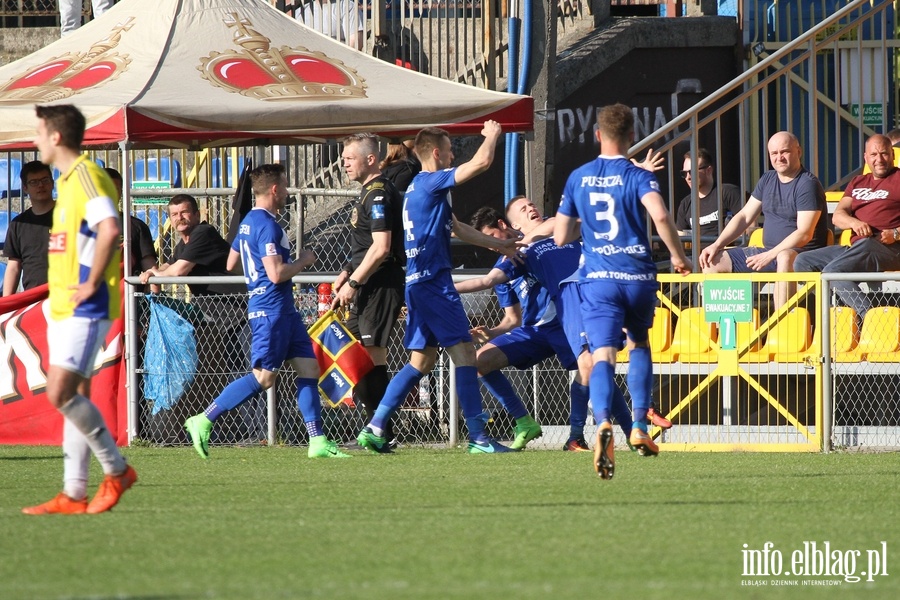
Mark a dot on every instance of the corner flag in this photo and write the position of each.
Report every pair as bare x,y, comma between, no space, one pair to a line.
343,360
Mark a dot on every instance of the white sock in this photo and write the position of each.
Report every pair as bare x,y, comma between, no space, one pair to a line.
88,420
76,461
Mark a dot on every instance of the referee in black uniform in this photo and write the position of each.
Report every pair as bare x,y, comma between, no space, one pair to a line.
372,283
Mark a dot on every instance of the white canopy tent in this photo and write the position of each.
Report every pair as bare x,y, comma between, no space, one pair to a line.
206,73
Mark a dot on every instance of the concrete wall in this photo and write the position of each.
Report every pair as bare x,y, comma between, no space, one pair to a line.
16,43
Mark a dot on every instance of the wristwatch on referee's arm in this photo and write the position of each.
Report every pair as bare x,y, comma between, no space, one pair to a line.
354,284
896,235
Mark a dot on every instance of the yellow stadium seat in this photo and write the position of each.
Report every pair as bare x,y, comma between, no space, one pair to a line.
746,330
756,239
846,234
787,341
660,335
834,197
844,333
692,340
883,343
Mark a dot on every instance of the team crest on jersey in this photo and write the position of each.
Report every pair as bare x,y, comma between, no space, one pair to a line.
378,210
58,242
354,217
271,249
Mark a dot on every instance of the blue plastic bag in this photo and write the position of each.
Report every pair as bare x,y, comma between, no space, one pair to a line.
170,358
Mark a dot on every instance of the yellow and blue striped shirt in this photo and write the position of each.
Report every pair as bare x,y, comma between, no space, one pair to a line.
85,198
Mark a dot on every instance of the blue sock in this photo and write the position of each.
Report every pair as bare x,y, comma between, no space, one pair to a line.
621,411
309,404
578,409
603,380
498,385
398,388
640,373
234,393
468,392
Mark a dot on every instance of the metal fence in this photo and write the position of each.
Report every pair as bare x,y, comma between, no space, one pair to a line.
222,338
805,376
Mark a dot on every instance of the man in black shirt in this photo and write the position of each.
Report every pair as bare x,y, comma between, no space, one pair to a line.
143,254
201,252
28,236
372,283
711,222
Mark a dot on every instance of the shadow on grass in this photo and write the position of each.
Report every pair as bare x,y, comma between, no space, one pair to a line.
56,458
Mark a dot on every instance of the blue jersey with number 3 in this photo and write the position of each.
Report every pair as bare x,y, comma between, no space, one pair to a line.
427,222
606,195
260,235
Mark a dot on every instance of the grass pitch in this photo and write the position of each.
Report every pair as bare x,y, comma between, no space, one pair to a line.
270,523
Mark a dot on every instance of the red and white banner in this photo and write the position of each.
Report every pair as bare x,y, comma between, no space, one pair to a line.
26,417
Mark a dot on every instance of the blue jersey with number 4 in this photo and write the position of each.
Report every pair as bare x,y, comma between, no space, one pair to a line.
606,195
260,235
427,222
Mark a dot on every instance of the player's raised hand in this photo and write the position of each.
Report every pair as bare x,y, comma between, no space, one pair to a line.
491,129
655,161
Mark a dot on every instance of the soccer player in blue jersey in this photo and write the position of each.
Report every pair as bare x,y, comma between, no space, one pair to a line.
278,333
435,312
544,273
611,199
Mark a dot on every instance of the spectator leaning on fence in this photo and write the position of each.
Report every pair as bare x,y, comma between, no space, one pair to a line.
201,252
870,208
83,277
371,284
29,233
278,333
793,203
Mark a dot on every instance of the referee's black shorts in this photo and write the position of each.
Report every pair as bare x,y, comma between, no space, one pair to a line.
374,314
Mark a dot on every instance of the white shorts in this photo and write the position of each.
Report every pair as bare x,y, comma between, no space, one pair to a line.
74,343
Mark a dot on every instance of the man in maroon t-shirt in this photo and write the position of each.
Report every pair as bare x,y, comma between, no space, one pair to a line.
871,209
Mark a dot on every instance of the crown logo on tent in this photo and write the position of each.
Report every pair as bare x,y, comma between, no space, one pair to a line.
69,74
261,72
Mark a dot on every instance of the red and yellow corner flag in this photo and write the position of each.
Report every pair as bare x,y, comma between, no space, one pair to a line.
342,359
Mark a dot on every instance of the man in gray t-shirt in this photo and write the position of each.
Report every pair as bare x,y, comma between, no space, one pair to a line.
793,202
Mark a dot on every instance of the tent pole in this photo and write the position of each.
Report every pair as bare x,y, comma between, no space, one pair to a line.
132,360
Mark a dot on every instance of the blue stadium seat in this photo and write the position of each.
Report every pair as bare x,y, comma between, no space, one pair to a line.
10,178
152,219
162,169
55,173
5,219
217,179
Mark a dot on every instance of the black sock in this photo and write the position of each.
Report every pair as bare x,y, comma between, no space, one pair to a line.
369,392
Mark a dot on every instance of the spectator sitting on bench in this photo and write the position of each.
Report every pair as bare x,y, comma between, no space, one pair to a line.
793,202
870,208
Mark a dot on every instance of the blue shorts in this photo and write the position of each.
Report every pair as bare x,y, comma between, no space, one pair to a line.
435,314
739,260
276,339
608,306
568,312
525,347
